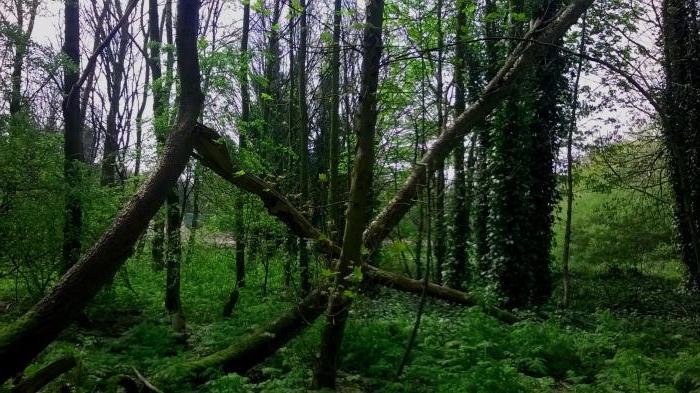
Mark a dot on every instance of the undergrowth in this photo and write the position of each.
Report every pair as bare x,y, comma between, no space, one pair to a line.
650,343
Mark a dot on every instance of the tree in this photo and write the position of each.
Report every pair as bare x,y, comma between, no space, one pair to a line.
22,340
334,189
115,75
522,197
680,120
569,170
25,27
460,212
358,205
303,138
72,147
440,241
244,134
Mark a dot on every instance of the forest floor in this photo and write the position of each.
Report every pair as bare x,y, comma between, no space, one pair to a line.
625,331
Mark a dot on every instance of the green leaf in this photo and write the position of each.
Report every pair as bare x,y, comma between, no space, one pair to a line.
349,294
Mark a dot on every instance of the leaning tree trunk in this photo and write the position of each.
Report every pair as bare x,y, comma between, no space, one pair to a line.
358,205
534,45
25,338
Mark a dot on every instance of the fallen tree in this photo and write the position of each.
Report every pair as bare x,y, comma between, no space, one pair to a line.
46,375
213,154
25,338
254,348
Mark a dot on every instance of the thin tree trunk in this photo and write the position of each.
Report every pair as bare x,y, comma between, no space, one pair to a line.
159,104
73,150
440,242
569,175
244,133
114,70
25,338
173,255
358,206
336,211
424,293
460,214
303,141
21,45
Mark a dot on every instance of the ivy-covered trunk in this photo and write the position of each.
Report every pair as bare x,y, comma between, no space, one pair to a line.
523,190
681,124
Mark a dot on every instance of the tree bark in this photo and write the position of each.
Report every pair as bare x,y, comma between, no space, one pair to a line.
25,338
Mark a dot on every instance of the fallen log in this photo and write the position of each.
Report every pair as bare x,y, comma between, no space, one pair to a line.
45,376
255,347
375,275
213,154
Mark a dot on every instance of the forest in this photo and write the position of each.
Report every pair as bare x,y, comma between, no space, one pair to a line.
350,195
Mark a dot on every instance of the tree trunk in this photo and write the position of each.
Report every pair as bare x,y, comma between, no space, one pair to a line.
569,172
303,141
114,73
244,133
460,213
440,242
73,150
336,210
21,46
25,338
254,348
173,255
159,121
356,216
680,125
